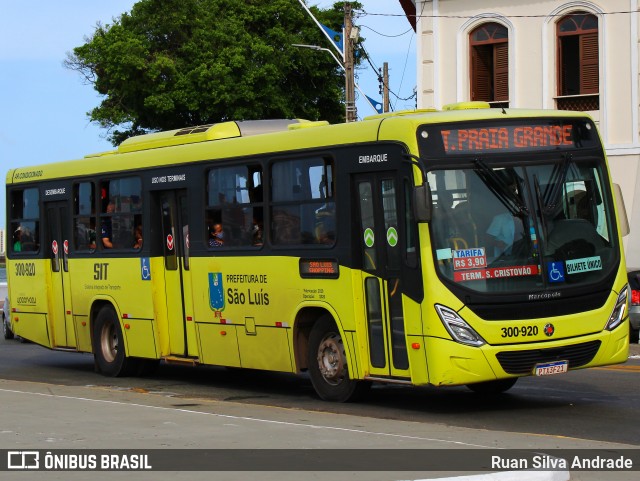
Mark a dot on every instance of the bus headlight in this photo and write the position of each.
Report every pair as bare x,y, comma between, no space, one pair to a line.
619,311
458,328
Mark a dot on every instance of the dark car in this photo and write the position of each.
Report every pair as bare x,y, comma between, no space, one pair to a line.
633,275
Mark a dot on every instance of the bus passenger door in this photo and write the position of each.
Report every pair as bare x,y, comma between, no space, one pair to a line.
379,231
177,272
57,249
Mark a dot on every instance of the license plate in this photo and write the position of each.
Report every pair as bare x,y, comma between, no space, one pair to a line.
550,368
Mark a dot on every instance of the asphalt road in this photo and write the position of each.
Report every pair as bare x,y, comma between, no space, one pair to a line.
53,400
598,404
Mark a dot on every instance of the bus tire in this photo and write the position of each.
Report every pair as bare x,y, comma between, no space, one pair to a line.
328,367
108,345
6,330
493,387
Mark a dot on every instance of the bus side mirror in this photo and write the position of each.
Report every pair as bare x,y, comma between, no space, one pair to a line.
422,203
622,211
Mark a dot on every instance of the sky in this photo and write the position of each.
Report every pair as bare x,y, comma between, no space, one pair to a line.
44,106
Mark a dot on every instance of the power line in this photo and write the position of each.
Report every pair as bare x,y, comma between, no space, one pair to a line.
466,17
404,69
376,69
386,35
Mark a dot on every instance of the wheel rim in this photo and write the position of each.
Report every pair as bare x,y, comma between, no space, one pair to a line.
109,342
331,359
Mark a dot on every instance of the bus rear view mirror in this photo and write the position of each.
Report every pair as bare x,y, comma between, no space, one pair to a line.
422,203
622,211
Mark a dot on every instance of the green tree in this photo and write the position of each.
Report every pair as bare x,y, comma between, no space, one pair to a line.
174,63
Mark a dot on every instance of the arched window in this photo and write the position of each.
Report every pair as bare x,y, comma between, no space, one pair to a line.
578,65
490,64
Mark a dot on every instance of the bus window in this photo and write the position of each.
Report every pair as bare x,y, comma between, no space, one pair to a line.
25,220
121,213
302,202
234,206
84,220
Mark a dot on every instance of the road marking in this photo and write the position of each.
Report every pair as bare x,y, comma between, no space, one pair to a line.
621,367
258,420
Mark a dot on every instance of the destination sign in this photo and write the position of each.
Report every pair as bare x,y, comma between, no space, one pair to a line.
507,138
324,268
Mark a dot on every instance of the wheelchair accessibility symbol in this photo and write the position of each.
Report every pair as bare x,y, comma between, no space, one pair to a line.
555,272
145,269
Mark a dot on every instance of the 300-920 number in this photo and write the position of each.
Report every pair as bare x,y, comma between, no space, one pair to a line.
523,331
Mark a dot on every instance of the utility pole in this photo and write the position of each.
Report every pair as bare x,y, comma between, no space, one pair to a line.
349,71
385,87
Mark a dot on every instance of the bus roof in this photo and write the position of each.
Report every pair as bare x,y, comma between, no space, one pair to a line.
237,139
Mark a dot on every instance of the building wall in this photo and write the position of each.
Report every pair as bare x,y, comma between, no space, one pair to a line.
443,28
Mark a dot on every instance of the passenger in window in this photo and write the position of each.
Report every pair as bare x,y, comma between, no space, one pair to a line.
257,233
324,236
92,239
27,240
137,235
216,236
17,240
106,227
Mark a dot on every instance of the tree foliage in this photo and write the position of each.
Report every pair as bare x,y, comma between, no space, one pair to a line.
173,63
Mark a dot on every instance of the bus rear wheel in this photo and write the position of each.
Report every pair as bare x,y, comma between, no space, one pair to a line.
493,387
328,367
108,345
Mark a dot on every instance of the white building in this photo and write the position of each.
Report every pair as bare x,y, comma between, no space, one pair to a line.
3,243
576,55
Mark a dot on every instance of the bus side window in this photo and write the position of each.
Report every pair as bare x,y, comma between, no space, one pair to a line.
84,216
302,202
121,220
25,220
234,202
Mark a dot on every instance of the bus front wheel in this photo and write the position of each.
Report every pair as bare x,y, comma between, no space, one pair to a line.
328,367
108,344
493,387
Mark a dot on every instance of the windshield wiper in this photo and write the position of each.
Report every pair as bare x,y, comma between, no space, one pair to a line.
536,186
556,182
500,189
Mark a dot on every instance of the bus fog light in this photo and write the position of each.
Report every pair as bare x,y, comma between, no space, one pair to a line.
619,311
458,328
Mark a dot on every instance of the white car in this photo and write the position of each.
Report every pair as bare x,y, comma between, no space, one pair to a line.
6,320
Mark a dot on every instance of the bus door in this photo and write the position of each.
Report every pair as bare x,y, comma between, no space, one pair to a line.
378,197
174,221
57,248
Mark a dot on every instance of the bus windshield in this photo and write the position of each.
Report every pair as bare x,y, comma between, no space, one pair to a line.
508,227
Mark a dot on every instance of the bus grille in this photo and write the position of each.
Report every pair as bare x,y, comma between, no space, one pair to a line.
523,362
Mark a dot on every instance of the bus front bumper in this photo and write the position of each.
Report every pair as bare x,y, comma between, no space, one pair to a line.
451,363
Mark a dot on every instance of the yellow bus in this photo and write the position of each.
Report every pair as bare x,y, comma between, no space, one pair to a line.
468,246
